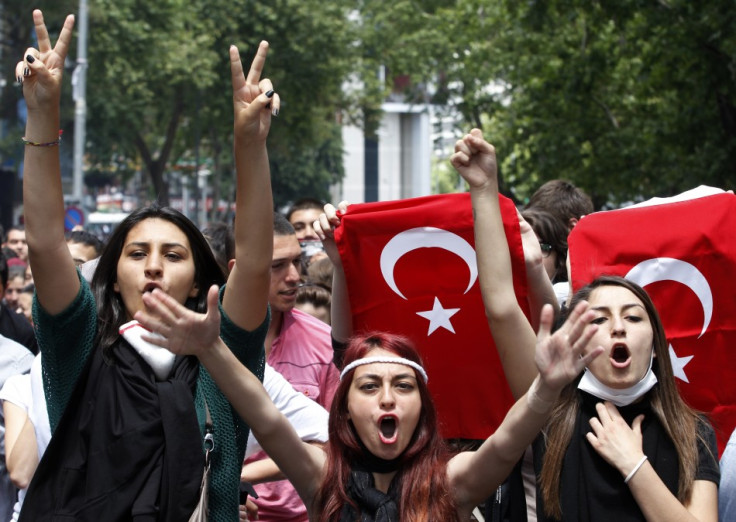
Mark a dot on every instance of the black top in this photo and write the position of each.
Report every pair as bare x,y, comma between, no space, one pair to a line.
594,491
16,327
133,447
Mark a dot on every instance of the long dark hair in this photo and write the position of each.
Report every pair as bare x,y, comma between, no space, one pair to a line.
678,419
424,493
552,231
110,308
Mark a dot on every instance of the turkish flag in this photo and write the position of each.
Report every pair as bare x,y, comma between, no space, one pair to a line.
684,254
411,269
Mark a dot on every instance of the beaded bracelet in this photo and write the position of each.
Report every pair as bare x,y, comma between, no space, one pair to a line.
47,144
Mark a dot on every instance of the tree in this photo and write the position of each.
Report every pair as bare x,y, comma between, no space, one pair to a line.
626,99
16,35
161,83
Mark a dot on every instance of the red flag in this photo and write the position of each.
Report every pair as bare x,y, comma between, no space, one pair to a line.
411,269
684,254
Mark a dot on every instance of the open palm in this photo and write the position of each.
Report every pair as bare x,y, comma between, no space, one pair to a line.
560,357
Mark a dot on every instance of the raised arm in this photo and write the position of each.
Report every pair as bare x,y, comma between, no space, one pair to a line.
559,359
342,319
475,160
254,103
188,333
41,72
541,291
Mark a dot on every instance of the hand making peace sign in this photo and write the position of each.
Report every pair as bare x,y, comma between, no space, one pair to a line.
254,100
41,69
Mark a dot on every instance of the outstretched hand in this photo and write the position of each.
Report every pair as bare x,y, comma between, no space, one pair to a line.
41,69
560,356
325,227
254,100
475,161
184,332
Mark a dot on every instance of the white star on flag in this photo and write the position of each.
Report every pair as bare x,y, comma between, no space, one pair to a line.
439,317
678,364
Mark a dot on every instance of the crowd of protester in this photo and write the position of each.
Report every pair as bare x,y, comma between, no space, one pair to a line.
165,338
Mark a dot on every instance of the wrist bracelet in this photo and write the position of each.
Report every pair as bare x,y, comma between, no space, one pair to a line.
636,468
47,144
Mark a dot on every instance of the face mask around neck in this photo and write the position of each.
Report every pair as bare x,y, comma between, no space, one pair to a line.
589,383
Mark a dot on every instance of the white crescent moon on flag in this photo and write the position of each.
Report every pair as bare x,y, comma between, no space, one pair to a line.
425,237
669,269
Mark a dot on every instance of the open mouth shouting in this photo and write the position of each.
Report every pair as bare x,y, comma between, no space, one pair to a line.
388,429
620,356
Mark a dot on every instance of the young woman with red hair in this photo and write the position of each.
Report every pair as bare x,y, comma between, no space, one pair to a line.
385,459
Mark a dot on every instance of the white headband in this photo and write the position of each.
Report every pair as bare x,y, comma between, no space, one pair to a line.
385,359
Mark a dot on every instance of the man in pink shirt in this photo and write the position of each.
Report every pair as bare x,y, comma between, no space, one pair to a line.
299,347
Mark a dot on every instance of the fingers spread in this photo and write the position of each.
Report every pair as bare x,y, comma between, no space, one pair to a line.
42,34
65,37
236,69
546,317
256,68
588,358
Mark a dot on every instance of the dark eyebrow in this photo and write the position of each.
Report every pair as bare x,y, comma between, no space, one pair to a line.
146,244
607,309
407,375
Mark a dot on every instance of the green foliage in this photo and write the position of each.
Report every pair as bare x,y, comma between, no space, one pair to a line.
16,35
626,99
158,86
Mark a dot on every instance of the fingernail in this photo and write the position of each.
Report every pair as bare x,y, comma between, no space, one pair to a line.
275,112
26,72
17,79
30,59
269,94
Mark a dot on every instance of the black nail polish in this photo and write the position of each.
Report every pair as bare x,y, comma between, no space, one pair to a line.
269,94
275,112
30,59
27,72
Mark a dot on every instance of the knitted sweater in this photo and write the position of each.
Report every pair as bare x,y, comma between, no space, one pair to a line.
66,341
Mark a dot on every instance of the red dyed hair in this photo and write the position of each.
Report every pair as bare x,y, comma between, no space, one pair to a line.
424,489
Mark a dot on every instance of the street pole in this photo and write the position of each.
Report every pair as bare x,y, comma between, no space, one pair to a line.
79,83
